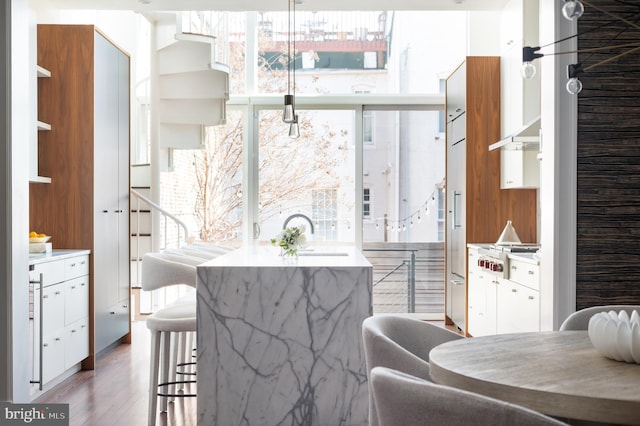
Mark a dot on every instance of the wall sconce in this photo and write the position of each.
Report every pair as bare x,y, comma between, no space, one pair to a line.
573,10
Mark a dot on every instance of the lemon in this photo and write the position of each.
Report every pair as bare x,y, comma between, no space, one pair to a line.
33,234
42,235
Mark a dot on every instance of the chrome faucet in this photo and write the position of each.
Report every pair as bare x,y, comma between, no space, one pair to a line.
293,216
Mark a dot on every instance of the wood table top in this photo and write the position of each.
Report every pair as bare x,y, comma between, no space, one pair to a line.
559,373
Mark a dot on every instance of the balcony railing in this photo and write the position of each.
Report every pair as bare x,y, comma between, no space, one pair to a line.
407,277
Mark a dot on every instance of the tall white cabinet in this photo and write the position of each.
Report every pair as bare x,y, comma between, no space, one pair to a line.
86,154
111,189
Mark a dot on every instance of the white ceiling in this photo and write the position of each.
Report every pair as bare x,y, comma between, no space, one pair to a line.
272,5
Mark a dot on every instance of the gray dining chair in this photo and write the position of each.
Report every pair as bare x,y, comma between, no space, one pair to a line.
401,343
405,400
579,320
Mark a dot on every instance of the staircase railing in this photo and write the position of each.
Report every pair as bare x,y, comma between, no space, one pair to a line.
210,23
174,232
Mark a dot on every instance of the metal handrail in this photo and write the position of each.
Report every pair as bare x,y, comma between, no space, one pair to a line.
411,272
163,212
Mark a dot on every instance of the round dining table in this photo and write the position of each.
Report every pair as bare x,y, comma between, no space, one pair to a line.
559,373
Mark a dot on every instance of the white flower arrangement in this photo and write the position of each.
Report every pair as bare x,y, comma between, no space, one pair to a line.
290,240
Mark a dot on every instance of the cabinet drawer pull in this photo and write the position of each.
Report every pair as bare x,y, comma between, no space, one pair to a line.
72,287
46,296
83,262
531,297
112,312
45,345
82,284
83,326
514,267
514,290
57,339
57,293
125,306
73,331
105,211
531,272
73,265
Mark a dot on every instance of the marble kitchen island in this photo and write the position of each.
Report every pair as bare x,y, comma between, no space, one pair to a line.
279,339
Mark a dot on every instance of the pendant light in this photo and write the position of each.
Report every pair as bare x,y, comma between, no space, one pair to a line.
289,114
294,130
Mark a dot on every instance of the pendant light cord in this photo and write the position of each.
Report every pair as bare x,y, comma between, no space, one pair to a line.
289,48
294,53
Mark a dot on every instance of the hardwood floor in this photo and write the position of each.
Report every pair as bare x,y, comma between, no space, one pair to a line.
116,392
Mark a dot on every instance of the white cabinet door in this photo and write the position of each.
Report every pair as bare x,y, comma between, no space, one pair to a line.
76,267
52,309
520,98
111,145
492,284
518,308
77,342
524,273
476,302
76,299
53,350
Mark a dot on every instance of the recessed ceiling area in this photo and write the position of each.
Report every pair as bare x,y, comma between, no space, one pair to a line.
273,5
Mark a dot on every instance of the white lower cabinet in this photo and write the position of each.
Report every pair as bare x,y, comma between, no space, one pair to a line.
497,305
519,308
65,313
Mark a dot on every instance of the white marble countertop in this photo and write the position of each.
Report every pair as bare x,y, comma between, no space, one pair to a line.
268,256
57,254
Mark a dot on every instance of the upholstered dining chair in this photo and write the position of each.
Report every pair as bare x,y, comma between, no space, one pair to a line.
400,343
405,400
579,320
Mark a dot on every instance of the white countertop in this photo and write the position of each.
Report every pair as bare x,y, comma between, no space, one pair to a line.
531,258
268,256
57,254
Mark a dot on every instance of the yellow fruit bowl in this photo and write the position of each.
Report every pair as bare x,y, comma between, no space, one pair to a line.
39,239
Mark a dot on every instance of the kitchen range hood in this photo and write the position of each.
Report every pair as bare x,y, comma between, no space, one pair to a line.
529,134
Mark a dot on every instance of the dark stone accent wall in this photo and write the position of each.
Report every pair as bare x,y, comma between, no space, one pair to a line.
608,158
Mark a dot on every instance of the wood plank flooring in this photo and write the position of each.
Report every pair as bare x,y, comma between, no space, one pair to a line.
116,392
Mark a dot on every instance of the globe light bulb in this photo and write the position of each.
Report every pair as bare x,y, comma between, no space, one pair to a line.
528,70
572,9
574,86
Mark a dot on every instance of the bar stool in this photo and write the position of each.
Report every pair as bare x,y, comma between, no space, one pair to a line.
165,324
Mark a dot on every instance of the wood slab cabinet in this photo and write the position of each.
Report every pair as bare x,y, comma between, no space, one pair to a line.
477,208
86,154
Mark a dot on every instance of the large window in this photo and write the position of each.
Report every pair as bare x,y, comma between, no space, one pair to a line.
407,164
310,180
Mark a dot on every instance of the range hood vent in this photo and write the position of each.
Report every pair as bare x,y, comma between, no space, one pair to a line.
528,134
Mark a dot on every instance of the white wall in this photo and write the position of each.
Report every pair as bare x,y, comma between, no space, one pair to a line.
557,174
14,189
